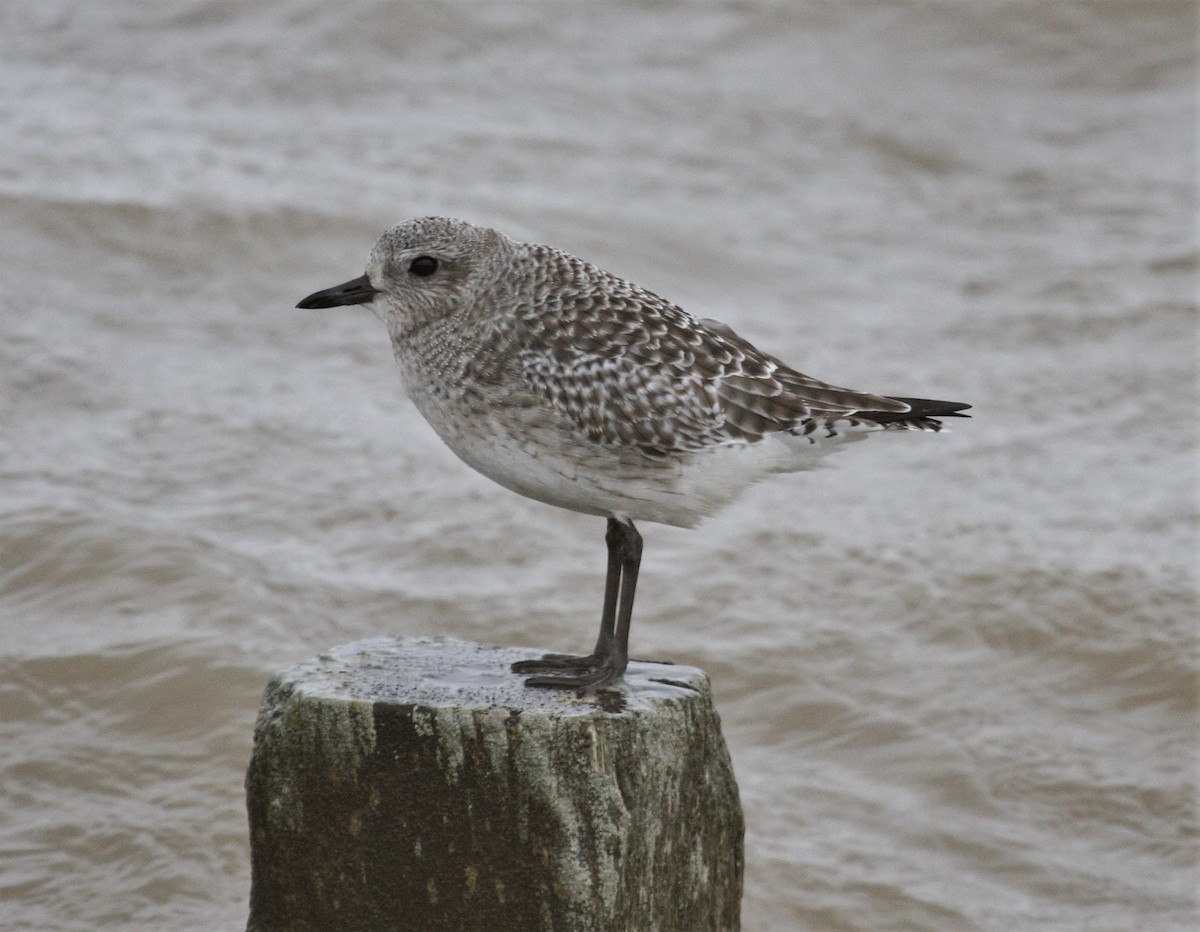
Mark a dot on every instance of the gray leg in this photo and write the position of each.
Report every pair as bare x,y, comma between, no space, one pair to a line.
608,660
631,563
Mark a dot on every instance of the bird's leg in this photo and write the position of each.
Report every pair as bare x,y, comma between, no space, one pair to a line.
612,588
611,654
631,563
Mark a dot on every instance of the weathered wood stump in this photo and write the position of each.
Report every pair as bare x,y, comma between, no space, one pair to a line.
417,784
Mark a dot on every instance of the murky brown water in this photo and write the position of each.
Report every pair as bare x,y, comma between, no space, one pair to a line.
957,673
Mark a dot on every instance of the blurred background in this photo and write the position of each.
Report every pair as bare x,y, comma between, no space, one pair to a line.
957,673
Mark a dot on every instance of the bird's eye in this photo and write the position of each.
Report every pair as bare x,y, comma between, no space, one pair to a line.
423,266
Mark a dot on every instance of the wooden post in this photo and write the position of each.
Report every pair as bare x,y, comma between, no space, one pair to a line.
417,784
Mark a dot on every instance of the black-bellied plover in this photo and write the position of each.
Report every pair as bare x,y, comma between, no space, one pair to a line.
577,388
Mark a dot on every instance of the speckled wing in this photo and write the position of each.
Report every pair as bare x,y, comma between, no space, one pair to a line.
633,370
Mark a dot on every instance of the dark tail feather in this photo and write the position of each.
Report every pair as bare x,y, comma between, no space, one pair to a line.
923,414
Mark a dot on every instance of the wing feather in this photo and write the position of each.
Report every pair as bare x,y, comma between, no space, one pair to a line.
630,369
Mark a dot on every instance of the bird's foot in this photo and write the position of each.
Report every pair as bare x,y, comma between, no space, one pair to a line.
557,663
590,679
567,671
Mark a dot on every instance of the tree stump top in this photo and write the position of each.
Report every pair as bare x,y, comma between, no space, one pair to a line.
441,672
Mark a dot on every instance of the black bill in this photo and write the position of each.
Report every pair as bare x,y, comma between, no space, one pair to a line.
355,291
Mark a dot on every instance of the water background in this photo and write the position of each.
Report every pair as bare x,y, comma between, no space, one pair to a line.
957,673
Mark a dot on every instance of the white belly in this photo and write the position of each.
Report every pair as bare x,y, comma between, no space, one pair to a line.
550,465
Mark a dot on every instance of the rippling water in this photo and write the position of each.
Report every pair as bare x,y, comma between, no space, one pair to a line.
957,673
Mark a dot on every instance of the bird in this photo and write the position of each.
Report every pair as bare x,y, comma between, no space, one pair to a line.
574,387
